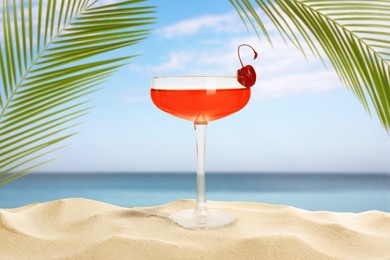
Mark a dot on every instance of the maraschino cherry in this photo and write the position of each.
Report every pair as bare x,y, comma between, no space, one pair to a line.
246,75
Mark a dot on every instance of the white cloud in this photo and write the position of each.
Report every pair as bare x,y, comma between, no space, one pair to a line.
229,23
217,23
176,61
295,84
106,2
282,70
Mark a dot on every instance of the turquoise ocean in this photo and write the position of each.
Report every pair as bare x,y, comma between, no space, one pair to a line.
319,192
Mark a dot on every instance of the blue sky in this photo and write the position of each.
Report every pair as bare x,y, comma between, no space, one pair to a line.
299,119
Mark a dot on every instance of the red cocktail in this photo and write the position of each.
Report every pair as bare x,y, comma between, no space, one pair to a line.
200,100
201,105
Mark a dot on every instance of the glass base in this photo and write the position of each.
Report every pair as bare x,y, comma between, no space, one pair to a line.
210,218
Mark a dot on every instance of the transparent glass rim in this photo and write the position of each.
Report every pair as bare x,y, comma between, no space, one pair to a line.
195,82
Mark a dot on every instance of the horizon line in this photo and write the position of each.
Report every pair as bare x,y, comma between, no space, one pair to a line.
210,172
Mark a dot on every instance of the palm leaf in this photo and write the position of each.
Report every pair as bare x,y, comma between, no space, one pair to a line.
48,71
353,35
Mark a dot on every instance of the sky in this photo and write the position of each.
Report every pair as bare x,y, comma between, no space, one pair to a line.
300,117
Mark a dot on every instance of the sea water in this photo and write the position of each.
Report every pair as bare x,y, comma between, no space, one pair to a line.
335,192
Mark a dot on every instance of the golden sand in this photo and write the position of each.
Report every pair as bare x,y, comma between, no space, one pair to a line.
87,229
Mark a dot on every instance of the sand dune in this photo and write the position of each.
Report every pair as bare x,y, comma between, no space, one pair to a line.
86,229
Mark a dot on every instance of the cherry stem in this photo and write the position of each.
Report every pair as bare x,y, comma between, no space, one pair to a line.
238,51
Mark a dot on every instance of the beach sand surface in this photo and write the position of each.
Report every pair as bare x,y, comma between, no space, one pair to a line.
86,229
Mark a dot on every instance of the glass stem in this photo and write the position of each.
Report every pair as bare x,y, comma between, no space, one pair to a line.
201,201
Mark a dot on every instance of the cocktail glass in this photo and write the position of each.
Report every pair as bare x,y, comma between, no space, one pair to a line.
200,99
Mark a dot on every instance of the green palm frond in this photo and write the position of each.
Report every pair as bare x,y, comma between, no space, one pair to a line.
50,62
354,35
